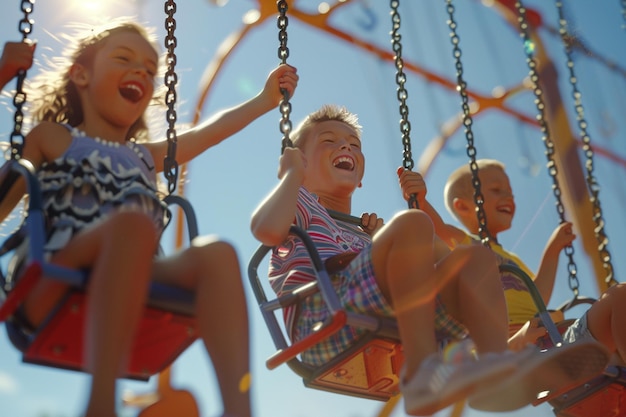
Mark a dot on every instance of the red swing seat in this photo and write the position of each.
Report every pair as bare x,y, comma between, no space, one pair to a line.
368,369
602,395
168,325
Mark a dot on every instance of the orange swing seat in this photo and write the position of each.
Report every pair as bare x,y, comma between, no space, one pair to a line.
368,369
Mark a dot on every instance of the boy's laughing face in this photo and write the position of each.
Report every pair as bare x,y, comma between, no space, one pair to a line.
499,204
335,163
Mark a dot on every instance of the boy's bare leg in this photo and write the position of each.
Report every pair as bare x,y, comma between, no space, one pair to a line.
472,293
606,319
403,260
211,268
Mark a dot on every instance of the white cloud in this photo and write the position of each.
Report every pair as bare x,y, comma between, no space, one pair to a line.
8,384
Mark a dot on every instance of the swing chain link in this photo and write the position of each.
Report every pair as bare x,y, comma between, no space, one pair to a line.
546,138
170,166
402,94
19,99
479,199
283,53
592,183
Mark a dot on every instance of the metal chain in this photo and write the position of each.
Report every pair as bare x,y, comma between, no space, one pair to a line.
283,54
592,183
25,27
170,166
547,140
479,199
402,93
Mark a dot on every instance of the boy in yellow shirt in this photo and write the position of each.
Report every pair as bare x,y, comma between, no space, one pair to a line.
603,322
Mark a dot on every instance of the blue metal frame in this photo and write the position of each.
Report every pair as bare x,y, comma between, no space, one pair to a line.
162,297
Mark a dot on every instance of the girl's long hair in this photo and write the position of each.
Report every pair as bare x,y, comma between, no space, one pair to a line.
53,95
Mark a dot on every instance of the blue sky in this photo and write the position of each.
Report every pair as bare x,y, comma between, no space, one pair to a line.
225,183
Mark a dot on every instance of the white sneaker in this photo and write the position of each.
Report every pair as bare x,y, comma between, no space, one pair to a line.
541,371
438,384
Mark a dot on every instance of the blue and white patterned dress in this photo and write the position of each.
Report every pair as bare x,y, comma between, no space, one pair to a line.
92,179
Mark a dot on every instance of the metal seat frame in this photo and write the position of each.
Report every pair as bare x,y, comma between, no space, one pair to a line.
368,369
604,394
168,325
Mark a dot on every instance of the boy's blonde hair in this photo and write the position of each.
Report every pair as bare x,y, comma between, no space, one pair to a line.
325,113
54,96
459,184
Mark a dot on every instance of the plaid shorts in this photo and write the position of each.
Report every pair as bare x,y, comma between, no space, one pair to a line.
578,331
359,293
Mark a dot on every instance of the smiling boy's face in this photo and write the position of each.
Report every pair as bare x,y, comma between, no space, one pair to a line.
335,163
499,203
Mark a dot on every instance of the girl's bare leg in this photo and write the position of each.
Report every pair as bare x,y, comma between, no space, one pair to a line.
118,252
211,268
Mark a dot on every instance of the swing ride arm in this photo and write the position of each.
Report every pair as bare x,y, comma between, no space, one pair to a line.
321,21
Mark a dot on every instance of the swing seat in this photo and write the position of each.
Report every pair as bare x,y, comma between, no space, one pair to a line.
166,329
368,369
602,396
161,337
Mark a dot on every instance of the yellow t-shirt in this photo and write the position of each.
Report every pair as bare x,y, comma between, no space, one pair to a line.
519,302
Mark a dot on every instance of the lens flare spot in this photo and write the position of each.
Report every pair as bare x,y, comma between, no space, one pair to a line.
244,383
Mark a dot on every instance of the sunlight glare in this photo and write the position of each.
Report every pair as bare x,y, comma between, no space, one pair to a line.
323,8
99,8
100,11
90,6
251,16
8,385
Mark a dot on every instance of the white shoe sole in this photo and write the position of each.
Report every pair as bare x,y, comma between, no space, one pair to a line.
461,387
550,370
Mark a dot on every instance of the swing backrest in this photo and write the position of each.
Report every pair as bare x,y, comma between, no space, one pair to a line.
165,331
368,369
